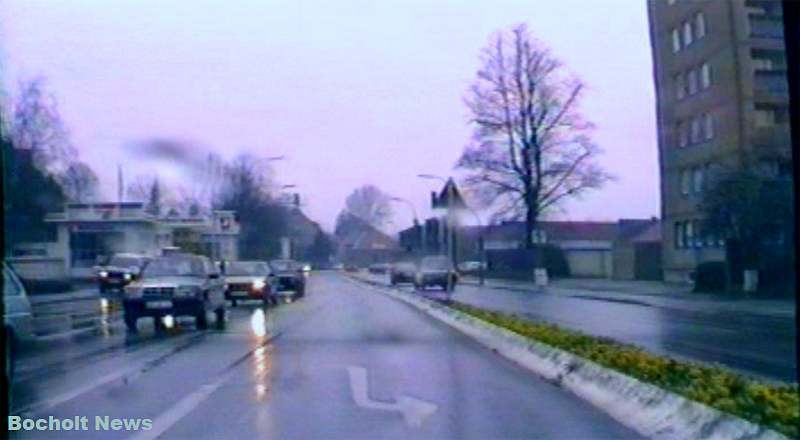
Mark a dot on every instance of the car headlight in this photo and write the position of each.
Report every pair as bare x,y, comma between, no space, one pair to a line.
103,274
127,277
133,292
186,291
259,284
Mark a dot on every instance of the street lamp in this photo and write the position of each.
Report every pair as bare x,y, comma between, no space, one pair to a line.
414,214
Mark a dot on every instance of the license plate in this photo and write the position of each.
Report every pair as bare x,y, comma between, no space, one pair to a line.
159,304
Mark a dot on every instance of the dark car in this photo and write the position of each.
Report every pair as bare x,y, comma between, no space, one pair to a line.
378,268
176,285
402,273
248,280
289,279
436,270
121,270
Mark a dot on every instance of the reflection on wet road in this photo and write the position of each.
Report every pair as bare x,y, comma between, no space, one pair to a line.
287,373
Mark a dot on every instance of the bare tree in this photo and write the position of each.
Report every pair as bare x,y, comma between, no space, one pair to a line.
79,182
370,204
157,197
37,126
531,148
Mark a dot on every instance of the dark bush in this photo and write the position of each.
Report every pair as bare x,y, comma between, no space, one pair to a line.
519,263
709,277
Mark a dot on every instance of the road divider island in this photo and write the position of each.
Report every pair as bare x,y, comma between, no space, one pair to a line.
659,397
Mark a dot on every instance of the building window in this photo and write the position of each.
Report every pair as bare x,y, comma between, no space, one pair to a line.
689,235
676,41
705,76
708,126
695,130
699,26
768,60
680,86
683,134
678,235
685,182
687,33
697,180
698,236
692,80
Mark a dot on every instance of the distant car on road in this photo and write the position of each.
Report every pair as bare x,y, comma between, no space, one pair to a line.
403,272
120,271
351,268
379,268
17,319
470,267
436,270
249,280
176,285
289,278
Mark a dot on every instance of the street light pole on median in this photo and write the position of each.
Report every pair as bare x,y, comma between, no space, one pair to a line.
416,219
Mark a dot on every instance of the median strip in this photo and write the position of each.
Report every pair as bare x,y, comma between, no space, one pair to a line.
770,405
657,396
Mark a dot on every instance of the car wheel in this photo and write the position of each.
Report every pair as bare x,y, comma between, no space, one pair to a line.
201,319
158,323
130,322
219,316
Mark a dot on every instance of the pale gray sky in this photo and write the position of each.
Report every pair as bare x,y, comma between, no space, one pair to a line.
351,92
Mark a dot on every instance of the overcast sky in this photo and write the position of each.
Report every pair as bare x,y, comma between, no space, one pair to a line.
351,92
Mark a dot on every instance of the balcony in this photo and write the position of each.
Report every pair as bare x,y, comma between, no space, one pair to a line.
771,82
766,26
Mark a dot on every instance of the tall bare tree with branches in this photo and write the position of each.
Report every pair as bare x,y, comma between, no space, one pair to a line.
531,148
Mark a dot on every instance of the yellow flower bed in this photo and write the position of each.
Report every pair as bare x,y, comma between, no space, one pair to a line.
774,406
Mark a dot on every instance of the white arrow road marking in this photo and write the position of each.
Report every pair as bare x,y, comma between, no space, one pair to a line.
414,410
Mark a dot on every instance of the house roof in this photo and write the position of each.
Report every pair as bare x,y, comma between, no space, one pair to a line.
355,233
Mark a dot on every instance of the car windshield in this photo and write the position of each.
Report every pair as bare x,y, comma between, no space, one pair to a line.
283,265
175,266
405,266
120,261
242,268
440,263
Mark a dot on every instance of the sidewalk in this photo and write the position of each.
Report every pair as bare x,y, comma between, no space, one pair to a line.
651,293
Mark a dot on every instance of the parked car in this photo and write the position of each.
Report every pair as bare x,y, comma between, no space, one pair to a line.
470,267
249,280
289,278
177,285
403,272
120,271
436,270
379,268
17,319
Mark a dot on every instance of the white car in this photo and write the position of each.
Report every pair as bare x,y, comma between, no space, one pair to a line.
17,318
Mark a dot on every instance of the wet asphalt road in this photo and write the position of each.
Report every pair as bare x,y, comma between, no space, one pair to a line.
754,344
344,362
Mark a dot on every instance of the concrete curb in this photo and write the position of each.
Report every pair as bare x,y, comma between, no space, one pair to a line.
647,409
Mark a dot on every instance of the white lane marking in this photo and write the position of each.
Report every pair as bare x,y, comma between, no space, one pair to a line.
414,410
178,411
69,395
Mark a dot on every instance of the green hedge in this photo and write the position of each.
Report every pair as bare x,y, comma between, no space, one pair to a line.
774,406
